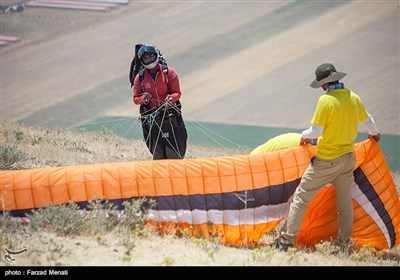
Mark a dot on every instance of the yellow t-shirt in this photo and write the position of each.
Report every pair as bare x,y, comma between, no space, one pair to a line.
338,112
277,143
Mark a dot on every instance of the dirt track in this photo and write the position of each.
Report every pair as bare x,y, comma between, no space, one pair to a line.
239,62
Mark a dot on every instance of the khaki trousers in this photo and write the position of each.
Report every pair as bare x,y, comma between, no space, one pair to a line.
339,172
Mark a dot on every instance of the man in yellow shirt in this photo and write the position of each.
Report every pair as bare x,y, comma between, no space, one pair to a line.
335,124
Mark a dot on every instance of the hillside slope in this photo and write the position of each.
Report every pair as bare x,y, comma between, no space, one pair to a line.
239,63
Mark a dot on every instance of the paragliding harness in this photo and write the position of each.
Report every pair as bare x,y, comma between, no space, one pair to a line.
160,123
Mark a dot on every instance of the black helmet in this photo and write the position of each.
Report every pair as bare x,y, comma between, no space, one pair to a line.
148,49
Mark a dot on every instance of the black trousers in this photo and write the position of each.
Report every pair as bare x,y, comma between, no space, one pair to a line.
166,141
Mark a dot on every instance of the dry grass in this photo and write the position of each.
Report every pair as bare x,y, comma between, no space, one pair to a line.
107,241
38,147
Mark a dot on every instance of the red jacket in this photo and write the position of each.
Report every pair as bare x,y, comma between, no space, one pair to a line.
157,88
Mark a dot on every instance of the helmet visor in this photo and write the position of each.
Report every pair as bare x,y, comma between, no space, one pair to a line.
148,58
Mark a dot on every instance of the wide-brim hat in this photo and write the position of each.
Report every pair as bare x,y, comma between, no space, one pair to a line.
326,73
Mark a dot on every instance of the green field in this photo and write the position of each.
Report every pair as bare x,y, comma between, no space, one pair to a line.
232,136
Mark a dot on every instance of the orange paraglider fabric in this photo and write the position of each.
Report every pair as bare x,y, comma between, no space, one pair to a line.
236,199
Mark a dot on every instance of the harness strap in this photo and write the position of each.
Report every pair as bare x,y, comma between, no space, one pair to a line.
165,72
